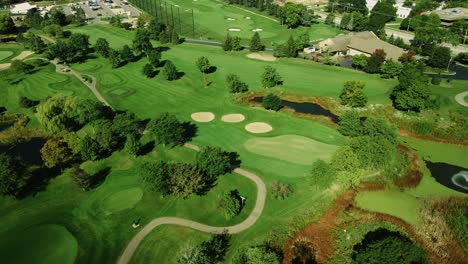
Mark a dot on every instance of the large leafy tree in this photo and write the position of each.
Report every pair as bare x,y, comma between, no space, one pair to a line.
14,175
169,71
154,57
270,77
292,14
167,129
90,148
156,176
6,24
350,124
352,94
203,65
186,179
230,204
102,47
440,57
235,85
132,145
56,153
412,93
272,101
227,43
375,61
383,12
215,161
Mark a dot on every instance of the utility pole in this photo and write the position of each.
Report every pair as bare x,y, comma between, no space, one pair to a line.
409,21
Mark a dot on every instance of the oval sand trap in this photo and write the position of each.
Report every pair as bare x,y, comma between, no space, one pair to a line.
233,118
260,56
257,30
203,117
258,127
235,29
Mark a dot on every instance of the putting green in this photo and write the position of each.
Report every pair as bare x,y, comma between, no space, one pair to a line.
41,244
292,148
5,54
121,92
122,200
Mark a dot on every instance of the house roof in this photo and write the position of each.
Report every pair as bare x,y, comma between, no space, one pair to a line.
366,42
22,8
451,14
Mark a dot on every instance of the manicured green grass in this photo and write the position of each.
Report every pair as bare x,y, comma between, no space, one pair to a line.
5,54
40,244
9,51
292,148
122,200
214,18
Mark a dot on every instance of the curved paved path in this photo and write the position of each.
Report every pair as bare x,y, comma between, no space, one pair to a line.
251,219
460,98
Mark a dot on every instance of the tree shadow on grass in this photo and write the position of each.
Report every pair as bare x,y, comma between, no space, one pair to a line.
212,69
190,131
162,48
147,148
99,177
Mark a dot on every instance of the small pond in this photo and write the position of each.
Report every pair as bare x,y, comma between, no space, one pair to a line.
451,176
306,108
30,151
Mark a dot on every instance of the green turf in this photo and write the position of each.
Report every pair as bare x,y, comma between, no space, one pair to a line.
122,200
9,51
292,148
5,54
46,244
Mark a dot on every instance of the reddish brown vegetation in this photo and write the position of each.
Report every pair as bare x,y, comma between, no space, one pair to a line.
405,133
414,176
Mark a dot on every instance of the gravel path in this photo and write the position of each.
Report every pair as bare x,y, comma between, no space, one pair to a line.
251,219
460,98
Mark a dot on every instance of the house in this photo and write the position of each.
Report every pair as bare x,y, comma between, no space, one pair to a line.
450,15
22,9
359,43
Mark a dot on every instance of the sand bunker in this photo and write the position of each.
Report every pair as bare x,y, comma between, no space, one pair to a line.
4,66
231,19
247,17
258,127
203,117
23,55
233,118
257,30
235,29
263,57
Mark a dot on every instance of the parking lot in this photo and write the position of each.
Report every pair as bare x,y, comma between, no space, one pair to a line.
96,10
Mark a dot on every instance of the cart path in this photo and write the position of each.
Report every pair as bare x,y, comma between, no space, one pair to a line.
251,219
460,98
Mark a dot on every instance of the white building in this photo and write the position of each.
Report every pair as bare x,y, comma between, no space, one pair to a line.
402,12
22,9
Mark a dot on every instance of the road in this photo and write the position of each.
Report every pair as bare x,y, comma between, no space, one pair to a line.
251,219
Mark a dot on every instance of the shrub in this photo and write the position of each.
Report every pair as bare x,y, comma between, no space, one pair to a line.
322,174
230,204
281,190
423,127
436,80
271,101
26,102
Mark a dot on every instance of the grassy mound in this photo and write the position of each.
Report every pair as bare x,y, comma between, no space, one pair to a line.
292,148
121,92
122,200
41,244
5,54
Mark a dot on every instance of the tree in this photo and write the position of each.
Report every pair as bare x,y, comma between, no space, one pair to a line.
58,113
281,190
360,61
154,57
80,44
292,14
271,101
236,43
390,69
440,57
375,127
20,67
126,123
204,66
115,59
216,247
345,160
186,179
330,19
383,12
155,28
303,251
109,139
90,148
102,47
7,25
165,36
54,30
167,129
256,43
126,54
227,44
215,162
291,48
148,70
350,124
56,153
81,177
57,16
414,97
36,43
375,61
169,71
132,145
352,94
235,85
322,174
270,77
256,255
303,41
156,176
14,175
141,42
230,204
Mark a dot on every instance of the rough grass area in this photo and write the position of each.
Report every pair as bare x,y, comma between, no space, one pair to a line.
292,148
51,244
5,54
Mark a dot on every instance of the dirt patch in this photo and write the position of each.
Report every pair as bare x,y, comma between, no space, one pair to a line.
233,118
405,133
23,55
258,127
203,117
414,176
259,56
